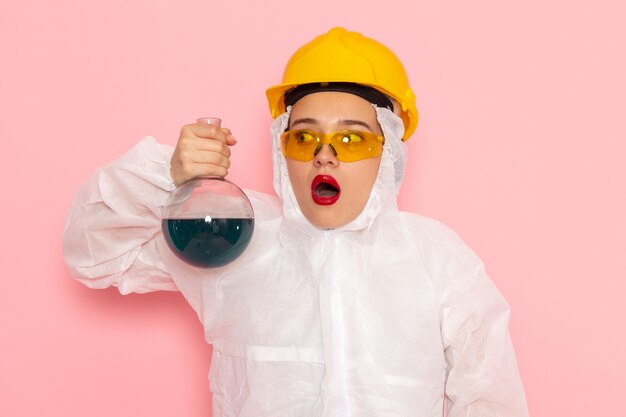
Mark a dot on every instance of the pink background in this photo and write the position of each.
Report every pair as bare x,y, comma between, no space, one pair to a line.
520,148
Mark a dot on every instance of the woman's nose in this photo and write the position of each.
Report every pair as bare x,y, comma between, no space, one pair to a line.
325,155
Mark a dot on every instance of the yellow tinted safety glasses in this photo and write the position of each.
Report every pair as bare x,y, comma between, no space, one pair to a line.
347,145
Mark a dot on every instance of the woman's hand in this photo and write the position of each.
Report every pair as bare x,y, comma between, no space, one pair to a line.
202,150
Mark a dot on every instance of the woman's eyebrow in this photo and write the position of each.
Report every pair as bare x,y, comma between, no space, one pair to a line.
304,120
342,122
350,122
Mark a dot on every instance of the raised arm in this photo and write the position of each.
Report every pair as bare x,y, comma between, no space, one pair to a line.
115,218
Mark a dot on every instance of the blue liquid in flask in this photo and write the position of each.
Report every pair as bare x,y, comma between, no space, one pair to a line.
207,242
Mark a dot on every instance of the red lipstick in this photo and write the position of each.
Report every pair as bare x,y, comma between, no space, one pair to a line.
325,190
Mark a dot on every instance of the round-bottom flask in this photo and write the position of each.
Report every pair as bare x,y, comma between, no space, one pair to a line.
208,222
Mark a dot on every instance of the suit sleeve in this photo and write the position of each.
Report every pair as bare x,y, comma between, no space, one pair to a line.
110,233
482,374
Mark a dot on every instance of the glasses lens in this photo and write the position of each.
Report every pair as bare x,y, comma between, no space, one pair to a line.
355,145
348,146
299,144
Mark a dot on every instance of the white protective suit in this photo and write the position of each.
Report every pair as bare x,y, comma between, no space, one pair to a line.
388,316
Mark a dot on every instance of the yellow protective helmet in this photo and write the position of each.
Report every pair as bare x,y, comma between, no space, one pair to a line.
343,56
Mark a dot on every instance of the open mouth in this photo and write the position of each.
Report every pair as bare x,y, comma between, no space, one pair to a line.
325,190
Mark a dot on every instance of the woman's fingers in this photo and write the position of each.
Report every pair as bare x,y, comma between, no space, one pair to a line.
202,150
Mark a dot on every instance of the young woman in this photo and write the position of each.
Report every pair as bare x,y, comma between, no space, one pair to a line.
341,305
